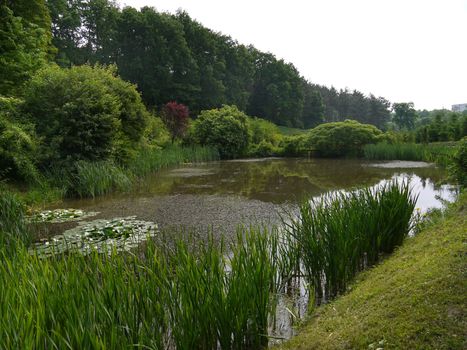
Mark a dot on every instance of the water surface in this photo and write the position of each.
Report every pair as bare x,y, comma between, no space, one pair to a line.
220,195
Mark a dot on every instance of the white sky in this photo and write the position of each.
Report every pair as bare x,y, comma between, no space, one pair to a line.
403,50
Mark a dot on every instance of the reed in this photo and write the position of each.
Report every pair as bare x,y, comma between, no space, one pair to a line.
216,297
92,179
152,160
440,153
13,228
340,234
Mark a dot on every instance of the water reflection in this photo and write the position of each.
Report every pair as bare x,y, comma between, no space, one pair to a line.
288,180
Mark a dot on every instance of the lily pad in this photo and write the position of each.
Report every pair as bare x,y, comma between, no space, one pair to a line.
103,236
60,215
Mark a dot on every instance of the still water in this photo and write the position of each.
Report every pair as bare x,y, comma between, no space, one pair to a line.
220,195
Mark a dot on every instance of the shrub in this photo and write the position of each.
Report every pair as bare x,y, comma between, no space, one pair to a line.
17,151
293,146
345,138
225,128
156,134
265,138
84,113
175,117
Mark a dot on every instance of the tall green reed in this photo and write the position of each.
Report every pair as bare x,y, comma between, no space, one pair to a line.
13,228
210,298
340,234
440,153
153,160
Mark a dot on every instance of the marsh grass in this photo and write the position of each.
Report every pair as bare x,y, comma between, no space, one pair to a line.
93,179
204,295
13,228
340,234
154,160
440,153
217,297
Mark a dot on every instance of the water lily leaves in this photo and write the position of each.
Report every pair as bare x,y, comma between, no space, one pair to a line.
60,215
102,235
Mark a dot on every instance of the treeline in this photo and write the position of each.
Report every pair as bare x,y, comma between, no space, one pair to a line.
174,58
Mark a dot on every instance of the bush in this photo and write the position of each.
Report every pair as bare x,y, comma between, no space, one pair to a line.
225,128
156,134
17,151
293,146
84,113
345,138
265,138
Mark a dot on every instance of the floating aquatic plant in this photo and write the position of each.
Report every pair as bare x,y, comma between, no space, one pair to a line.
60,215
121,234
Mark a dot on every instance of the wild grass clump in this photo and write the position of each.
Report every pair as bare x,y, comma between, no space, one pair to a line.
440,153
396,151
340,234
13,228
153,160
210,298
92,179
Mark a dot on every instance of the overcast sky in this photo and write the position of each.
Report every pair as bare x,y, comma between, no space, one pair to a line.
404,50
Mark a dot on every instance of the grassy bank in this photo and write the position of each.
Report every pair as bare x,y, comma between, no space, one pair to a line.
413,300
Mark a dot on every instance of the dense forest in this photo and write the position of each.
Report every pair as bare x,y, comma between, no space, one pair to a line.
173,57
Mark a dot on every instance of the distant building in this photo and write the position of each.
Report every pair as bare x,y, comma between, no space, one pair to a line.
460,107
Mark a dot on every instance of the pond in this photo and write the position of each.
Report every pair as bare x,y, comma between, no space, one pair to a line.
220,195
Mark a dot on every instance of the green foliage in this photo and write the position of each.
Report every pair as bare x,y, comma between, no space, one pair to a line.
152,298
277,91
17,151
264,139
314,107
294,146
151,160
405,302
459,167
13,229
84,113
225,128
97,178
442,154
173,57
441,126
340,234
404,115
341,138
23,50
156,133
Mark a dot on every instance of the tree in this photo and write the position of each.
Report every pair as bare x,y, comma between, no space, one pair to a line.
404,115
84,113
277,91
175,117
313,108
225,128
24,48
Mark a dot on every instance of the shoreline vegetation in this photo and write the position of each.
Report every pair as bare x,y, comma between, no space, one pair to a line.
154,298
414,299
94,98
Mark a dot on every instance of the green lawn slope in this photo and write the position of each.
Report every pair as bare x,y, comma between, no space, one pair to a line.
416,299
